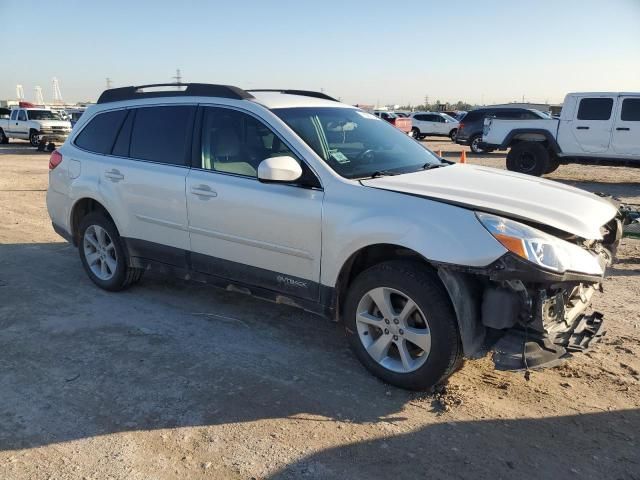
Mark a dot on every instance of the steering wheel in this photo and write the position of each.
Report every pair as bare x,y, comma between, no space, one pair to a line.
368,155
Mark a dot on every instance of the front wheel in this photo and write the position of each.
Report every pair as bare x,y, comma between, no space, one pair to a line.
33,138
3,138
401,325
103,255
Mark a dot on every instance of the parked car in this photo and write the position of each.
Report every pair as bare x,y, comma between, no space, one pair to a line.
456,114
34,124
401,114
74,115
592,127
434,124
472,125
401,123
313,203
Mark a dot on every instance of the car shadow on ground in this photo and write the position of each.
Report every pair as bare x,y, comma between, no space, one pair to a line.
593,446
77,361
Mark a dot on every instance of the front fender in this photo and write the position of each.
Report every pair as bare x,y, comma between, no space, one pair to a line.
437,231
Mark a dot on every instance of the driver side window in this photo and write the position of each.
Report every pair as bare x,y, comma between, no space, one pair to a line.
22,117
234,142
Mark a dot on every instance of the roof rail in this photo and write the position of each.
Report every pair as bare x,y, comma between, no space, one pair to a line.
191,89
304,93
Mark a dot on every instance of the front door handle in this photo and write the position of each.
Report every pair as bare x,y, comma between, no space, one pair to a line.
204,191
582,128
114,175
626,129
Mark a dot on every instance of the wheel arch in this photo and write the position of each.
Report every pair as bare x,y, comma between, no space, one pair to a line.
462,289
531,135
80,209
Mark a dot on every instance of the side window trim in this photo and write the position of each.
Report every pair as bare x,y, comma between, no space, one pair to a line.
196,158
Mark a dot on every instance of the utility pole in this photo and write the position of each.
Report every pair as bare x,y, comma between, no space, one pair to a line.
109,83
57,94
178,77
426,101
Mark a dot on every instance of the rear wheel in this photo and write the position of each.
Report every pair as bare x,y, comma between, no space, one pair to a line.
103,255
401,325
554,163
33,138
474,144
452,134
416,133
531,158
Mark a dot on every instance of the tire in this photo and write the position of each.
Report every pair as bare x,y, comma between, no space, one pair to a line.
33,138
3,138
403,280
554,163
416,133
118,275
452,135
531,158
474,144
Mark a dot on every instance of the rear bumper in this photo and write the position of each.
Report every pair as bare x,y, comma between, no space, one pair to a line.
62,232
462,141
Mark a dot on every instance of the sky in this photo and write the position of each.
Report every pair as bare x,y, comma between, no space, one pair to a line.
367,52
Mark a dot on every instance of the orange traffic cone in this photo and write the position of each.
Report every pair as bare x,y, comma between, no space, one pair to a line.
463,157
440,153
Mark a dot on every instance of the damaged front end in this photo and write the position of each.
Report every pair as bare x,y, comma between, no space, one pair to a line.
529,315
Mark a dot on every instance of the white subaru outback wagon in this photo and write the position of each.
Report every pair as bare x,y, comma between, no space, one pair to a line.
292,196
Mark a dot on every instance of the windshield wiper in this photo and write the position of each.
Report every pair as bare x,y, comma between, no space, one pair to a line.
430,166
382,173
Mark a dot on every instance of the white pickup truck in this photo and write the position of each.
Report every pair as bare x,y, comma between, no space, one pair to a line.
38,125
592,128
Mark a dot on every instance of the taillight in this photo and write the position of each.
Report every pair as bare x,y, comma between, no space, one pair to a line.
461,126
55,159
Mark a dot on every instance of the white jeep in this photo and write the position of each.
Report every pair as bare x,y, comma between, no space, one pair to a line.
592,128
297,198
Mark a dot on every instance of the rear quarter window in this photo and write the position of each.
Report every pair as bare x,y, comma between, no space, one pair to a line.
100,133
595,109
161,134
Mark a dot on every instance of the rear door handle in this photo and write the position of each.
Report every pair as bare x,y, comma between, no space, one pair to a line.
626,129
203,191
114,175
582,128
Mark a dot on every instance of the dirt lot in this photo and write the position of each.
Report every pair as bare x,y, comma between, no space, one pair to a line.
178,380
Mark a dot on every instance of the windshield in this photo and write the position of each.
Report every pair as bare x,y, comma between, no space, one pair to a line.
357,144
42,115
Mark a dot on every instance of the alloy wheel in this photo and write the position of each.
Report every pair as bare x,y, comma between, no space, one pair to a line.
100,252
393,330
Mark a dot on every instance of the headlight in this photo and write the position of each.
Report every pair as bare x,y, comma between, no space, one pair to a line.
539,247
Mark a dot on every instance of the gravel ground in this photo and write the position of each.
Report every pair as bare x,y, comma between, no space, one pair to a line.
178,380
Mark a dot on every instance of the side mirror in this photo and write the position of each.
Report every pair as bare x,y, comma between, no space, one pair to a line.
279,169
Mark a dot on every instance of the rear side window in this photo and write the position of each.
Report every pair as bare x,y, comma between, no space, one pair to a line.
121,147
474,116
630,110
100,133
595,109
161,134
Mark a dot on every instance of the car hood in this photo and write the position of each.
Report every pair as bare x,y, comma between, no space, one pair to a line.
507,193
